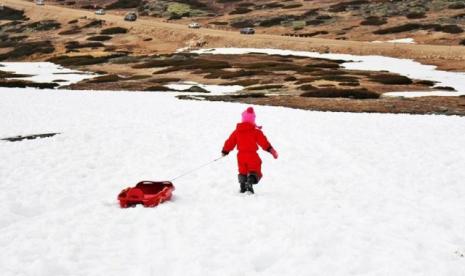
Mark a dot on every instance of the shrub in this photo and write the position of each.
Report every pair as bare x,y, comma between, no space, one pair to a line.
451,29
8,13
114,30
349,83
245,4
221,74
391,79
308,34
314,22
305,80
242,23
11,27
290,78
106,78
44,25
373,21
125,60
266,87
166,70
196,89
10,41
416,15
338,78
24,84
124,4
426,82
82,60
207,64
175,16
137,77
272,5
324,65
344,6
219,23
247,82
240,10
298,25
323,17
248,95
277,66
158,88
307,87
361,93
445,88
457,6
99,38
91,7
178,9
273,21
399,29
6,75
311,12
184,64
73,45
28,49
70,32
165,80
94,24
292,6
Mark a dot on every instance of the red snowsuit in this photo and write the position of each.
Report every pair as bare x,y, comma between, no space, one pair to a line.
246,137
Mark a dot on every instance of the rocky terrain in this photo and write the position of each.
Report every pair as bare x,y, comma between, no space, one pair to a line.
140,55
431,22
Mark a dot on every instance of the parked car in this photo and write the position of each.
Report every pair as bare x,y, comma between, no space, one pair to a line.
40,2
132,16
100,12
247,31
194,25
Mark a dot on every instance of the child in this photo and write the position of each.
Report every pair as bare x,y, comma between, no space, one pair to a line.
246,136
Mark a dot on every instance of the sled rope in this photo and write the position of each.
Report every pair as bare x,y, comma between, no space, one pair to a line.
196,169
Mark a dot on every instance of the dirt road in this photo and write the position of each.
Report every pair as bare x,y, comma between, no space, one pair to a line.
174,36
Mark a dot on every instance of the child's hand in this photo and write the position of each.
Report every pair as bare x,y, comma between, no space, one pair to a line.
274,153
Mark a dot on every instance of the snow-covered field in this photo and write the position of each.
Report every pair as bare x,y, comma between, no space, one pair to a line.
45,72
352,194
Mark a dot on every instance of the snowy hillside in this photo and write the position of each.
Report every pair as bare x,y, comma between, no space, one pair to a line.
352,194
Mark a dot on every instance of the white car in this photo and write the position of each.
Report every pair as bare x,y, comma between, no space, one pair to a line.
100,12
40,2
194,25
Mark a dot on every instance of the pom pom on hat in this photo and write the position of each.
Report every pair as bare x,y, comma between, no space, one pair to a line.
248,116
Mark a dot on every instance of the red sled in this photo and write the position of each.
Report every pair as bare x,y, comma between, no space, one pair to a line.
147,193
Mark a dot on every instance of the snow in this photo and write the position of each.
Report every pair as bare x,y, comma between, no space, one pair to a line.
400,40
413,94
406,67
45,72
213,89
403,40
352,194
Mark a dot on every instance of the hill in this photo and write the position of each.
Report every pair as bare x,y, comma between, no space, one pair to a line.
439,22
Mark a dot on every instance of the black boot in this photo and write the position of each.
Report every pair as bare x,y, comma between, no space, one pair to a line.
243,182
251,180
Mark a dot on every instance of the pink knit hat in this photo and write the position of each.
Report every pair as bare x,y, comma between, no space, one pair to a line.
248,116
